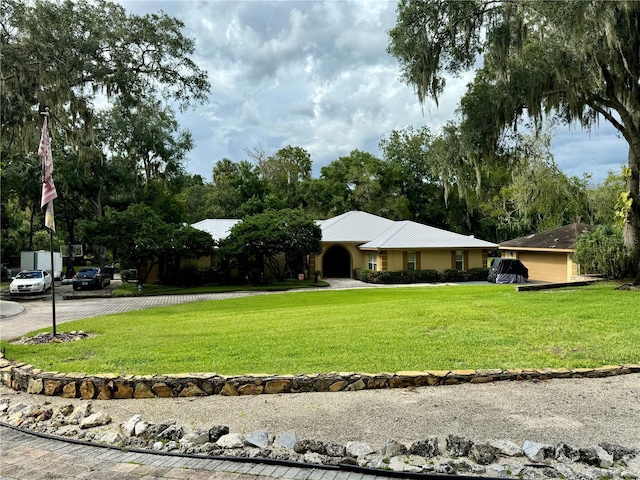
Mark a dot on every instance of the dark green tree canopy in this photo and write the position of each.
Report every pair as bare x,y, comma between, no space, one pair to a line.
139,237
265,237
74,57
578,60
65,54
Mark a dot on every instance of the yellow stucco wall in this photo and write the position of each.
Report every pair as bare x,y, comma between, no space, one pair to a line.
395,259
202,262
433,259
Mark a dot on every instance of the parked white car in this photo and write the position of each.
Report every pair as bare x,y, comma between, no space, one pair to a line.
30,281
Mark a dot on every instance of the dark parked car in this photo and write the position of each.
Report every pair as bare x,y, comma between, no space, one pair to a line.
90,277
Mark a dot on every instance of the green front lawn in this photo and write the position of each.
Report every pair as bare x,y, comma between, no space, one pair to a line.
369,330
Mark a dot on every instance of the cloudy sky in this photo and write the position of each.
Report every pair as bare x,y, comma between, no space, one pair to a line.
315,74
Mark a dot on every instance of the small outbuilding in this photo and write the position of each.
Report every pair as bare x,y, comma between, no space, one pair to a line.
547,255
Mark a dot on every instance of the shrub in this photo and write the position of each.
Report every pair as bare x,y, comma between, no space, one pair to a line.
420,276
213,276
477,274
5,274
451,275
187,276
602,250
125,275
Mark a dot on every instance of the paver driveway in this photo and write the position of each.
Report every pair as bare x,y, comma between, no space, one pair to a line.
37,313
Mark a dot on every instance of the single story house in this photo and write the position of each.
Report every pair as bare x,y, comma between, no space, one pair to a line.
362,240
547,255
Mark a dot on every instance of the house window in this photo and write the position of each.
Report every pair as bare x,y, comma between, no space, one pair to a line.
411,260
459,260
373,261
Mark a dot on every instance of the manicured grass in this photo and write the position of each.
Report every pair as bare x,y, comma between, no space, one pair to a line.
369,330
131,289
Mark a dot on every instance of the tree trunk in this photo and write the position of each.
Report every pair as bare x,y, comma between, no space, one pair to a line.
632,224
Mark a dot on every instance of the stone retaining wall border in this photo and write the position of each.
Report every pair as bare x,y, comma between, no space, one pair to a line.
27,378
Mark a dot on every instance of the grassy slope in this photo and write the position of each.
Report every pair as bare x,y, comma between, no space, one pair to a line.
359,330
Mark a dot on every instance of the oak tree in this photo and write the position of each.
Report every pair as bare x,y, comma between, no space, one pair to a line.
574,59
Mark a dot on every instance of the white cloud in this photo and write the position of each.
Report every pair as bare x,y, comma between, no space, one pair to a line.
316,74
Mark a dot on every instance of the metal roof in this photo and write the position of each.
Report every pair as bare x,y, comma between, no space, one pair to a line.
412,235
353,227
372,231
218,228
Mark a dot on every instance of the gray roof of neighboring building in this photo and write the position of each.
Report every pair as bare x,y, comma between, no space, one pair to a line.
563,238
372,231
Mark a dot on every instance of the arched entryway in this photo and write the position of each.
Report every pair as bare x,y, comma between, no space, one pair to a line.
336,263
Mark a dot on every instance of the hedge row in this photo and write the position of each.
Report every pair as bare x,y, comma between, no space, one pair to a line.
193,276
421,276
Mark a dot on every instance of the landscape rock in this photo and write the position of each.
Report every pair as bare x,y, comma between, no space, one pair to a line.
482,454
372,461
567,453
19,407
304,446
358,449
112,438
172,432
192,390
335,450
394,448
95,420
590,456
141,429
313,458
286,440
536,452
258,439
506,447
402,463
128,428
199,437
458,446
497,471
142,390
231,440
36,386
87,390
618,451
82,411
216,432
425,448
606,459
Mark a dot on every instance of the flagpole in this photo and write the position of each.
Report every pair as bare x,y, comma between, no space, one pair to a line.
53,283
47,200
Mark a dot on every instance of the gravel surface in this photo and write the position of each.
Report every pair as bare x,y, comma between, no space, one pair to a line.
580,412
